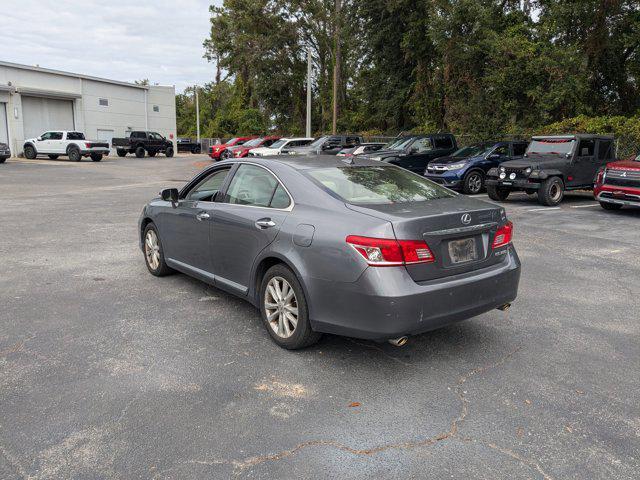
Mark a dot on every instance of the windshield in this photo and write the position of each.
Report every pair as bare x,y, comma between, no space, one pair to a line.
278,144
377,185
473,150
232,141
318,142
557,146
253,143
401,144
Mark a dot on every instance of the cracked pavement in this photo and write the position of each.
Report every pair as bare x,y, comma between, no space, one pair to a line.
109,372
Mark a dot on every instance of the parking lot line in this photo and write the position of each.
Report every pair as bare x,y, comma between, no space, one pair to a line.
544,209
586,206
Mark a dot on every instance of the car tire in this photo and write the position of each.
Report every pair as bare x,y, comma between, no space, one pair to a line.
168,152
96,157
30,152
53,157
284,308
226,154
121,153
153,252
497,193
151,153
610,206
551,192
2,159
74,154
473,182
140,152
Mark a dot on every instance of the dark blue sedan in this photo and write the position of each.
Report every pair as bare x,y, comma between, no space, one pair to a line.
466,169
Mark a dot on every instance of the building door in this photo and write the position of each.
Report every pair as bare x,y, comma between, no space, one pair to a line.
105,136
4,130
41,115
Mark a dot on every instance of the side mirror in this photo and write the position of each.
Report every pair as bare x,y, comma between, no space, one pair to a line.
170,195
39,139
413,150
326,146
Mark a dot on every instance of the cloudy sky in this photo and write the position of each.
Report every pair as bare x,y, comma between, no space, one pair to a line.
118,39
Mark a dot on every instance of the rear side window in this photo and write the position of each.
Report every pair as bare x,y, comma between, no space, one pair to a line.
256,186
442,142
605,149
377,185
519,149
75,136
138,135
56,136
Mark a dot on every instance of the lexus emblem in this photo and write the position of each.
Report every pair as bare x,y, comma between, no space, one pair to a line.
466,218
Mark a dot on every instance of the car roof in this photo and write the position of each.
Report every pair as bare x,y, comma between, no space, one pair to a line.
576,136
306,162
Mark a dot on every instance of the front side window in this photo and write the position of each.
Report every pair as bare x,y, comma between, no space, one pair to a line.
282,143
205,190
255,186
377,185
586,148
155,136
421,145
46,136
502,150
56,136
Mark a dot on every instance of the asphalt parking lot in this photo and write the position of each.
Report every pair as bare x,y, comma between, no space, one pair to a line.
109,372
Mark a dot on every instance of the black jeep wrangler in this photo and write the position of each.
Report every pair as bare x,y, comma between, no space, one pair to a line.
551,165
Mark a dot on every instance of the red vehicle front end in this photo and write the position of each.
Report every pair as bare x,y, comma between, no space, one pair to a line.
215,152
243,150
619,184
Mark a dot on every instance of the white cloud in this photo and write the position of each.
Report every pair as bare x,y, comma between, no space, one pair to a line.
156,39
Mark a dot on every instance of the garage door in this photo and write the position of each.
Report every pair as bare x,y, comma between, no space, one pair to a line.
42,114
4,132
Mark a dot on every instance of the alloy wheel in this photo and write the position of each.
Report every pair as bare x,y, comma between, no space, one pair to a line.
281,307
475,183
555,192
152,249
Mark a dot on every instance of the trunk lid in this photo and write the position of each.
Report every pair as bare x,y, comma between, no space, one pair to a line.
458,230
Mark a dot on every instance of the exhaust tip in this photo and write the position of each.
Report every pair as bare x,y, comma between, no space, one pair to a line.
399,342
504,307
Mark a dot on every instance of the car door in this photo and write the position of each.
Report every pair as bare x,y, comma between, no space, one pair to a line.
583,167
43,143
500,154
247,221
418,156
57,143
185,229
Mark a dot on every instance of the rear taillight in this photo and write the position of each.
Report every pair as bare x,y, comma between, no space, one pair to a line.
503,235
383,252
88,145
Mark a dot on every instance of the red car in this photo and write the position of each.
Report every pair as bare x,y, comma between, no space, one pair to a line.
220,151
619,184
243,150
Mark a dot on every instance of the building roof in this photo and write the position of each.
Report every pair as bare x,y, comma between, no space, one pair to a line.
70,74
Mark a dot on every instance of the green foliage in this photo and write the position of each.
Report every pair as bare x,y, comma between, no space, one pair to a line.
479,67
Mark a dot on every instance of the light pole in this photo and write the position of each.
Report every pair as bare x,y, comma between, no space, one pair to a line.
197,114
308,130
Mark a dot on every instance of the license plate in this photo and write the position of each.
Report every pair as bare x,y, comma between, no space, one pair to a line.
507,183
464,250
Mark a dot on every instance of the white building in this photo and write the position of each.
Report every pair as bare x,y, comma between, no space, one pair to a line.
34,100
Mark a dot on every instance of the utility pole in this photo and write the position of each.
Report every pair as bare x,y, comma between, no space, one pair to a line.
336,66
197,114
308,129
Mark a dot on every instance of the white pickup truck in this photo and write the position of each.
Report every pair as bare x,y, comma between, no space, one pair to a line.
71,144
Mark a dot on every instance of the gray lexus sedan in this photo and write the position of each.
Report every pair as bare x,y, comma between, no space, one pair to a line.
348,247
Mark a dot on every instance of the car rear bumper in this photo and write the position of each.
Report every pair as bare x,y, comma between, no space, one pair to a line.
99,151
386,303
5,153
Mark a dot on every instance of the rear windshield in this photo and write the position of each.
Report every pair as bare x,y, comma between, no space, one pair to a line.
377,185
551,145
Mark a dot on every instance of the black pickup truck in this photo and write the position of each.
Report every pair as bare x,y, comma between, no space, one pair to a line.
188,145
414,152
141,142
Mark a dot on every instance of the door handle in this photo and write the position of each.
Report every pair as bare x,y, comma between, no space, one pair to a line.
265,223
202,216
